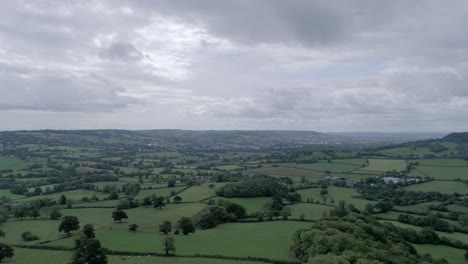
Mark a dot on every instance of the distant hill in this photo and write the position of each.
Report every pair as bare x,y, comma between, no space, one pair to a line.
457,137
454,145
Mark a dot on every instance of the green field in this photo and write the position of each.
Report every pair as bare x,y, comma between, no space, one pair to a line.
336,193
250,204
310,211
74,195
452,255
442,162
166,192
42,256
267,239
199,192
405,151
444,173
385,165
448,187
323,166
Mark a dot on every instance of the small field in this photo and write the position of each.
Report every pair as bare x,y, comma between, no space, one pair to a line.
448,187
250,204
385,165
334,193
444,173
452,255
405,151
310,211
199,192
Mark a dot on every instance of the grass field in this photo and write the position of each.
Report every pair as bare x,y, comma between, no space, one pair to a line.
250,204
294,173
228,167
323,166
8,194
267,239
405,151
166,192
199,192
448,187
310,211
444,173
385,165
452,255
74,195
336,193
442,162
42,256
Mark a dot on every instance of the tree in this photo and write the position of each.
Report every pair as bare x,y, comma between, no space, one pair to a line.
89,251
118,215
165,227
185,224
34,213
28,236
169,245
369,208
6,251
384,206
463,220
158,202
113,195
55,214
88,231
177,199
63,200
20,212
133,227
211,186
69,224
171,183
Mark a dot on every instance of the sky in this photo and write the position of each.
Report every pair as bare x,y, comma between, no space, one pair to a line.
338,65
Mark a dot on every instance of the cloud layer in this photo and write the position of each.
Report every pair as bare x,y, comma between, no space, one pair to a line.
341,65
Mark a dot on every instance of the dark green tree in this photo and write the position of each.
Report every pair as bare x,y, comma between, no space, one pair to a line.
6,251
69,224
165,227
118,215
169,245
185,225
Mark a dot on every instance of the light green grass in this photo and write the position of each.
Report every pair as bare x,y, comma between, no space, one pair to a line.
250,204
336,193
405,151
452,255
267,239
8,194
442,162
199,192
74,195
323,166
228,167
310,211
385,165
448,187
166,192
39,256
444,173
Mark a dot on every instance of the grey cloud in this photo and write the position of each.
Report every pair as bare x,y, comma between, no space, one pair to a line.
122,51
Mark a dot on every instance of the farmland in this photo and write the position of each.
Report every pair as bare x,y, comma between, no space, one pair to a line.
153,186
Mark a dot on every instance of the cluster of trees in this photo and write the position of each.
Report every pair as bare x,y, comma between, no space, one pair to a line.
220,211
184,225
41,207
354,238
431,221
88,249
398,196
260,185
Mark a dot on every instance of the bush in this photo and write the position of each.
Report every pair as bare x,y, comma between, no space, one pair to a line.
28,236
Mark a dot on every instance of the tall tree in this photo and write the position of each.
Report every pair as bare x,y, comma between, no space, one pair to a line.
185,225
119,215
168,245
6,251
69,224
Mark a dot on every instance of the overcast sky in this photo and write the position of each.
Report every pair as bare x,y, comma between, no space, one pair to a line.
360,65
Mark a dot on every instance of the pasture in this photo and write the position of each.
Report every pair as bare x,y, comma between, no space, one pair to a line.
444,173
199,192
448,187
335,193
310,211
452,255
385,165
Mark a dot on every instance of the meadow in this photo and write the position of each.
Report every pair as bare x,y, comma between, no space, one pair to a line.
448,187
